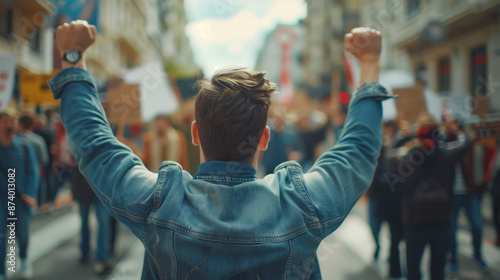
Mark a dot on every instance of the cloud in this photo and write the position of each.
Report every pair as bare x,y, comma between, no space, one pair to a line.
236,29
244,26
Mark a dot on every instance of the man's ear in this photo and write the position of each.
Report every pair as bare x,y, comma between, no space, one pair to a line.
264,140
195,136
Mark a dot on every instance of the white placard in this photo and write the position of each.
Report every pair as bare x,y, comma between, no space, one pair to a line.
7,73
157,95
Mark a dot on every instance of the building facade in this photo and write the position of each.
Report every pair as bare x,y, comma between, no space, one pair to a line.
453,46
130,33
326,24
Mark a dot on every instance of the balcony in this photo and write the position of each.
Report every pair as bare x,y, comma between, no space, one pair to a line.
408,28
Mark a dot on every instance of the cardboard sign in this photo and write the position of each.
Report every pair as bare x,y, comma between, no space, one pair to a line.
123,104
411,102
481,106
35,89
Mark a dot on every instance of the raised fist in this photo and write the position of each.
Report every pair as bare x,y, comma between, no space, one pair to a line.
364,43
78,35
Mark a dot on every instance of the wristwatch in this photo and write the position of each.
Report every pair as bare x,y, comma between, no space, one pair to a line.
72,56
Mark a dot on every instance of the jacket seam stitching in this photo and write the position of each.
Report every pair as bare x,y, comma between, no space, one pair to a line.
289,262
307,197
171,225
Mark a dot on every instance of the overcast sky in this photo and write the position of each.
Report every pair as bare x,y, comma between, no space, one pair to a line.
231,32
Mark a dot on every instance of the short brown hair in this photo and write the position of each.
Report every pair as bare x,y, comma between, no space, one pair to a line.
231,112
425,119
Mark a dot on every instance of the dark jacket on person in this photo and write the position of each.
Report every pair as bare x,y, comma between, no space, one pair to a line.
467,166
428,175
82,192
388,195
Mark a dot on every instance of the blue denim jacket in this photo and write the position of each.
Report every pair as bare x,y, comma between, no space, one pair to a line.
27,174
223,223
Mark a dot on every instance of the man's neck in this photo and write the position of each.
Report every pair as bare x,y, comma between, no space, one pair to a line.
254,163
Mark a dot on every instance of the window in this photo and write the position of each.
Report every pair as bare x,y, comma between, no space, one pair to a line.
479,71
5,21
35,39
444,73
413,6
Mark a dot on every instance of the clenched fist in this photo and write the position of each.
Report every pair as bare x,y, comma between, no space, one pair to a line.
364,43
77,35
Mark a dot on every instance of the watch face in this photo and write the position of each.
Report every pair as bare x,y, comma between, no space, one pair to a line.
72,56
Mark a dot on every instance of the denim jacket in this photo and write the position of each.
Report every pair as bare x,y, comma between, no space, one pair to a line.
224,222
20,156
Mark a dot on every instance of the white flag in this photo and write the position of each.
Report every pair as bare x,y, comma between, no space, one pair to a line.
7,73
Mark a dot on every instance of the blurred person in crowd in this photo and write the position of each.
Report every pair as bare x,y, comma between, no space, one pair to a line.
427,174
282,144
337,113
85,196
495,194
312,130
17,161
404,133
62,167
164,143
224,222
25,131
52,120
61,164
40,128
468,187
384,202
494,187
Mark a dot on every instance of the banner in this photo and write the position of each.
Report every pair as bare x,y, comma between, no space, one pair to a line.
7,74
35,87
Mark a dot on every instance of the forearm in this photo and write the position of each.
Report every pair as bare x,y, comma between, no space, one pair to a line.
370,71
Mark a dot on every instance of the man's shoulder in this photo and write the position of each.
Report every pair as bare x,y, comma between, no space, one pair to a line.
20,141
33,138
289,164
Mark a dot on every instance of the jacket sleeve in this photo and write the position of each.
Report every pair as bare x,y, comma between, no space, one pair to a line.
340,175
116,175
455,150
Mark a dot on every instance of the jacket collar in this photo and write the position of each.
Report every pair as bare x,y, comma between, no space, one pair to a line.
226,172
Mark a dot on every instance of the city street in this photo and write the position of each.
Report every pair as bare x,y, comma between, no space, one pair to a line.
168,111
346,254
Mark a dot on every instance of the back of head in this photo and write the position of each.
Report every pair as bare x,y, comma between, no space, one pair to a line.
428,134
425,119
427,128
231,113
26,121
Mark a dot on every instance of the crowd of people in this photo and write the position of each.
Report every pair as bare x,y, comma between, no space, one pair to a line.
36,146
427,173
415,159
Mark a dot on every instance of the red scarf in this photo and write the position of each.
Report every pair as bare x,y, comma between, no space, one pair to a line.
426,135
